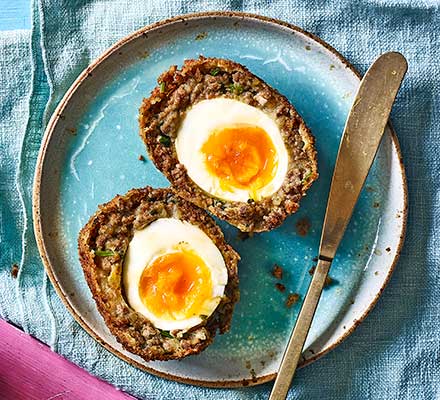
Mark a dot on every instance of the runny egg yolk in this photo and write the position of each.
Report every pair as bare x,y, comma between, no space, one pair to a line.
241,156
176,285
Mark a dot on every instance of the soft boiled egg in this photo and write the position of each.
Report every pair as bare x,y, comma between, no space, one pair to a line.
232,150
174,274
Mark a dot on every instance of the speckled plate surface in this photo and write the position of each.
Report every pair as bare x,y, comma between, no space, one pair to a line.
90,153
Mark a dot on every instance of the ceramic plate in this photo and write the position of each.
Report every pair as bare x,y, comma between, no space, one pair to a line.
90,153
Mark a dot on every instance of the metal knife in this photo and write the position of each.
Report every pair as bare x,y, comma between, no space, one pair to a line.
361,138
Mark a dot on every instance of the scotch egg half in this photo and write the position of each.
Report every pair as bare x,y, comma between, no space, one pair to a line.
232,150
229,143
174,275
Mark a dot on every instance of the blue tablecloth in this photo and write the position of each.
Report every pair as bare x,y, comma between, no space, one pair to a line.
395,353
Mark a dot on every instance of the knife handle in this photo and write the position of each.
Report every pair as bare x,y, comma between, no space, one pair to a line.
363,132
299,334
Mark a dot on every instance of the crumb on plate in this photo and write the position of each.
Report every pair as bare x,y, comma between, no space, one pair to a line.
292,298
277,271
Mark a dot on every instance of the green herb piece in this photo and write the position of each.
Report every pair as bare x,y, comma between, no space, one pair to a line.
165,140
215,71
307,177
203,317
236,88
201,36
105,253
166,334
162,87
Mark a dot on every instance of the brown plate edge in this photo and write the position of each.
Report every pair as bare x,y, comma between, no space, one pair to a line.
37,182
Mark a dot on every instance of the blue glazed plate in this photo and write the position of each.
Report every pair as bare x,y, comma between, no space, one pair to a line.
90,153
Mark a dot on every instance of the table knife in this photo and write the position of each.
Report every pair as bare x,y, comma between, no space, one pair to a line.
359,143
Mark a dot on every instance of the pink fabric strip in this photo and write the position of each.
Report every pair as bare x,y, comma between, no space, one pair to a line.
31,370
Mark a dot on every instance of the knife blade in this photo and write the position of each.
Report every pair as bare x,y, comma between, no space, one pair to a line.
359,144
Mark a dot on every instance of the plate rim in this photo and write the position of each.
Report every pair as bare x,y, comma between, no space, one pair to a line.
37,223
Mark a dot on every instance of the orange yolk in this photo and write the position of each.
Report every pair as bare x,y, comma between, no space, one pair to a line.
176,285
241,156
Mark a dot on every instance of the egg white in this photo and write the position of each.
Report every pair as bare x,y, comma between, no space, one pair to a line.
161,237
207,116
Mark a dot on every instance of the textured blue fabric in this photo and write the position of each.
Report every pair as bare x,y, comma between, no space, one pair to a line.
395,353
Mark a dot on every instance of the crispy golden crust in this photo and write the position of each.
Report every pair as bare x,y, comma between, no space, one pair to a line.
111,228
205,78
